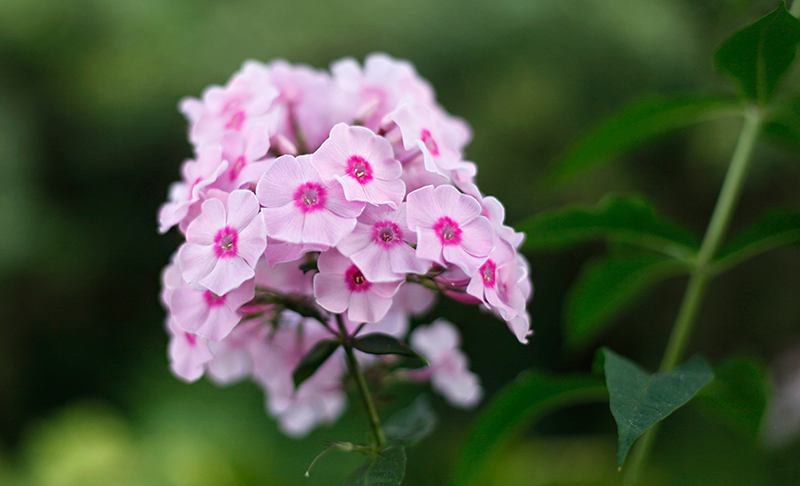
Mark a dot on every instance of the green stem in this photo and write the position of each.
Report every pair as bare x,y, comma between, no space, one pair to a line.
361,382
795,8
701,275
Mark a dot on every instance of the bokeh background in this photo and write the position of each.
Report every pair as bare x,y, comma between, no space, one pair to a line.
90,138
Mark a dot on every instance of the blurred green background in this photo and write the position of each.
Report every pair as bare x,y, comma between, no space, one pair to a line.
90,138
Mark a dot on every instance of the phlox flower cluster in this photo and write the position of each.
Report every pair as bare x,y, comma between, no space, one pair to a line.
316,199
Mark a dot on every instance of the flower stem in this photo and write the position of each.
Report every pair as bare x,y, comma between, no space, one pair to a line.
701,275
361,382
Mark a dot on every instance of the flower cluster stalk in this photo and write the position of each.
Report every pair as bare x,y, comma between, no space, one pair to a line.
361,383
701,274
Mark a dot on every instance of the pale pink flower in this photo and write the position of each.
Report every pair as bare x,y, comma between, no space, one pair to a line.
246,153
299,206
188,353
197,176
380,245
449,227
207,314
495,213
286,277
341,286
233,356
448,368
362,163
485,283
224,243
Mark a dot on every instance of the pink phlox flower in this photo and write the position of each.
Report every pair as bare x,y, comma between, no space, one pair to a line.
207,314
300,208
171,280
246,153
380,245
380,86
448,368
281,251
247,97
423,130
486,284
341,286
286,278
408,301
362,163
188,353
197,176
320,398
234,355
224,243
449,227
514,289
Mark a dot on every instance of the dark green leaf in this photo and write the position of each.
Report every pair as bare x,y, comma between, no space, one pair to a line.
634,125
738,394
607,287
624,219
385,469
639,399
783,125
313,360
777,228
412,424
379,343
757,56
512,411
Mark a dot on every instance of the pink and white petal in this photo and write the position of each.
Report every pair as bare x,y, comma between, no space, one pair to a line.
204,228
374,262
367,307
389,192
337,203
460,207
277,185
331,292
357,240
429,247
353,190
284,223
220,322
242,208
478,237
333,261
252,240
240,295
423,208
189,310
465,261
196,261
227,274
521,327
281,251
386,289
326,228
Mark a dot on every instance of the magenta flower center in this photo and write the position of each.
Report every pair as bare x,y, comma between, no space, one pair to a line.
310,197
359,169
190,338
448,231
236,121
225,242
387,234
429,142
237,167
213,300
355,280
487,272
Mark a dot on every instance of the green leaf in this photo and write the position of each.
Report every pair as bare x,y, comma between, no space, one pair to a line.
385,469
606,288
635,124
738,395
783,125
777,228
757,56
313,360
639,399
412,424
379,343
624,219
513,409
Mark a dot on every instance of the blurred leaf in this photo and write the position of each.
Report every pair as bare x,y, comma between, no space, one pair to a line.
607,287
313,360
777,228
757,56
639,399
639,122
783,125
385,469
380,343
738,394
412,424
513,409
625,219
